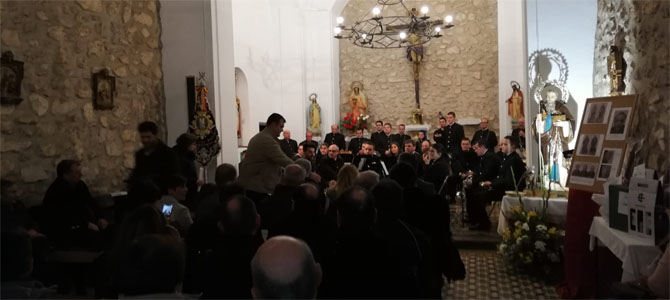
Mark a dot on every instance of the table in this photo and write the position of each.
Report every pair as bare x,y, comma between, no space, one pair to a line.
633,252
556,210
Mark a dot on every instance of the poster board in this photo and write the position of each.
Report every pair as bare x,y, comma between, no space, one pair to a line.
601,143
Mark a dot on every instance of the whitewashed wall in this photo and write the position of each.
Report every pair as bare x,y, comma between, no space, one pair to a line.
284,48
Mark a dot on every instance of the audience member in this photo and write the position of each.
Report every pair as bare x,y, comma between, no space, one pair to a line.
367,179
331,164
153,267
260,171
301,152
309,153
426,187
485,134
174,192
416,273
308,139
335,137
280,204
17,266
224,174
310,176
345,179
185,150
73,219
488,167
226,273
284,268
155,158
356,144
289,146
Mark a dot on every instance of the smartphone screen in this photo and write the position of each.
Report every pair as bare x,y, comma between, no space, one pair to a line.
167,209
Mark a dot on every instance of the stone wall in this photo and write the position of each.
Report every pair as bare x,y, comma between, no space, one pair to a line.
640,28
62,43
459,71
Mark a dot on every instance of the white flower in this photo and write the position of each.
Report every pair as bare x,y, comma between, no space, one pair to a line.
517,224
525,227
519,240
539,245
502,248
541,228
553,257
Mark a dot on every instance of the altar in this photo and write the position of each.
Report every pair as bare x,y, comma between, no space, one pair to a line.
556,210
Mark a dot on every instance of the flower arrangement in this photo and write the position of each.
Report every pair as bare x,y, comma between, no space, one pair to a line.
350,123
529,242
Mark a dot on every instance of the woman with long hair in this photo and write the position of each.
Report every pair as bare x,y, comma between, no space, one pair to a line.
345,179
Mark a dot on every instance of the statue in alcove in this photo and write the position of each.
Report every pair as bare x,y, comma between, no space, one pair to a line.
314,115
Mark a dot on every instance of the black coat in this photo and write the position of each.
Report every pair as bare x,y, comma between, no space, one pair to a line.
450,137
468,161
355,145
290,147
489,164
437,171
188,171
337,139
369,162
328,168
161,161
400,139
504,180
487,135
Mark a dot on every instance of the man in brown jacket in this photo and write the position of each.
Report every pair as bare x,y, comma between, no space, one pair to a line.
261,169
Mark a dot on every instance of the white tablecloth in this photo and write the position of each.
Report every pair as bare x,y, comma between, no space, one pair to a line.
631,250
556,210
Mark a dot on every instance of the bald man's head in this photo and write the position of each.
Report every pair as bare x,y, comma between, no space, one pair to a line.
284,268
294,175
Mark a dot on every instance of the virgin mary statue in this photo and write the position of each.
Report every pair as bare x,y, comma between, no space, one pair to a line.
314,115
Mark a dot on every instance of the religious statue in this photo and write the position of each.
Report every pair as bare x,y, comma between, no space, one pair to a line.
415,53
515,102
314,115
554,125
357,101
616,69
239,118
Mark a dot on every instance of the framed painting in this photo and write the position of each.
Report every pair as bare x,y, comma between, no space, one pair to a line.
104,87
10,80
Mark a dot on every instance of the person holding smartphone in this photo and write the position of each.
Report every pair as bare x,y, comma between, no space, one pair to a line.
174,192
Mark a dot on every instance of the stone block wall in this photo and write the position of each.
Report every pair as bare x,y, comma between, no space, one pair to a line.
62,43
459,71
642,30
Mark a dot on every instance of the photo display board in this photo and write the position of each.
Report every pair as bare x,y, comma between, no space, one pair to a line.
601,143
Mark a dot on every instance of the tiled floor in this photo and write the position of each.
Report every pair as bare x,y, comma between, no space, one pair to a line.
488,277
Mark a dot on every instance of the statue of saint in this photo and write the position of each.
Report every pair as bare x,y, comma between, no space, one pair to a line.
314,115
555,128
616,69
357,101
515,102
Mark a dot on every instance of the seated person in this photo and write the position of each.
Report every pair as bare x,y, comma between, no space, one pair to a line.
279,205
153,267
174,192
438,168
15,215
331,164
426,187
17,266
284,268
367,179
477,193
356,144
368,160
225,272
72,219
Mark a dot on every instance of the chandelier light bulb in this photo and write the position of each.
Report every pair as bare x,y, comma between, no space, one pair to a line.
340,20
376,11
424,9
438,29
448,19
365,36
337,30
403,35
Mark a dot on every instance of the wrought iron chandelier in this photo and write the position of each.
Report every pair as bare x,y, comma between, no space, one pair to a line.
376,31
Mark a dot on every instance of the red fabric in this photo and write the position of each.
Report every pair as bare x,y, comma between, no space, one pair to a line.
580,264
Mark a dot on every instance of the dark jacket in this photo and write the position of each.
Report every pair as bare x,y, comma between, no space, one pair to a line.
290,147
468,161
337,139
68,210
161,161
355,145
487,135
383,142
188,170
328,168
450,137
504,180
369,162
400,139
437,171
377,137
487,170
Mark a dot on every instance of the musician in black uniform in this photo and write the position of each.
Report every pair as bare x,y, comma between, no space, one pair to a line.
468,159
369,160
356,144
289,146
335,137
383,141
487,170
401,137
378,135
451,133
485,134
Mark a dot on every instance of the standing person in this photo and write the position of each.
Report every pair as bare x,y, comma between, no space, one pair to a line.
485,134
453,134
260,171
185,150
520,133
308,139
356,143
289,146
378,136
335,137
383,143
155,158
401,137
440,133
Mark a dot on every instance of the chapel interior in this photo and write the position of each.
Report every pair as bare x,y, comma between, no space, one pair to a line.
79,76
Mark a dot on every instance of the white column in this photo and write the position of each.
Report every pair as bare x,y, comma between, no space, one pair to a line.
224,80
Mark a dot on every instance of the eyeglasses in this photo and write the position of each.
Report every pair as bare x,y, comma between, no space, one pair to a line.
332,150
